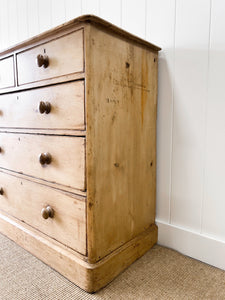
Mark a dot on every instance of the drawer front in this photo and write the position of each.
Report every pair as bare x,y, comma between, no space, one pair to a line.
7,73
65,56
21,153
25,200
22,110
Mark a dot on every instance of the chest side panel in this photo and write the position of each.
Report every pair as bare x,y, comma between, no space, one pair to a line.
121,92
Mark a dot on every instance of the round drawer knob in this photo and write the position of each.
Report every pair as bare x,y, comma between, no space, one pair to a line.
42,60
45,158
1,191
44,107
47,212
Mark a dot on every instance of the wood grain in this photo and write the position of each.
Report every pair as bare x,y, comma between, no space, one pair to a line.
121,90
111,166
90,277
78,194
46,82
64,132
20,110
20,153
24,199
62,60
109,267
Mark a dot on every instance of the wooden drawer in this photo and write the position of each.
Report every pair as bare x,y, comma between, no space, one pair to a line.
7,73
20,153
65,56
21,110
24,199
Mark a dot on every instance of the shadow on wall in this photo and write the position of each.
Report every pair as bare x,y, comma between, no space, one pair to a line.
191,116
182,96
164,131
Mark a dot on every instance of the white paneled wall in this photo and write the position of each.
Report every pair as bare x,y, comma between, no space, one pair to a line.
191,104
162,33
213,221
190,94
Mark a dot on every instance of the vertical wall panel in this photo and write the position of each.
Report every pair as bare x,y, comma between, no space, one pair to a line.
22,20
33,17
134,16
73,9
45,14
1,25
214,204
58,12
190,92
13,22
90,7
161,32
4,24
111,11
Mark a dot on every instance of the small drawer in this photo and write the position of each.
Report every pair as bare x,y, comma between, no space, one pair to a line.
57,159
29,202
55,107
7,73
58,57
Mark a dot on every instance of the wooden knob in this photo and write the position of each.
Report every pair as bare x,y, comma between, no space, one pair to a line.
44,107
45,158
47,212
0,149
42,60
1,191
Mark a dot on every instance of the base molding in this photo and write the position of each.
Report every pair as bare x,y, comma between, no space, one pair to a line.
195,245
72,265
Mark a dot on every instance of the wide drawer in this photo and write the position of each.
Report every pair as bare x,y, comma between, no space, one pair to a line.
65,56
21,153
7,73
29,109
25,200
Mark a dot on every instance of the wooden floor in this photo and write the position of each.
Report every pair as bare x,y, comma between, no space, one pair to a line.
160,274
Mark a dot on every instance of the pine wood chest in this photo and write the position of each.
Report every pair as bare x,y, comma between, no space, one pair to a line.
78,148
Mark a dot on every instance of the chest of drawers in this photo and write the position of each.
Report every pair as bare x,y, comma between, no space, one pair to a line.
77,148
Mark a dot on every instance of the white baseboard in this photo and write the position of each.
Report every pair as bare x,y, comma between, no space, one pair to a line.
198,246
